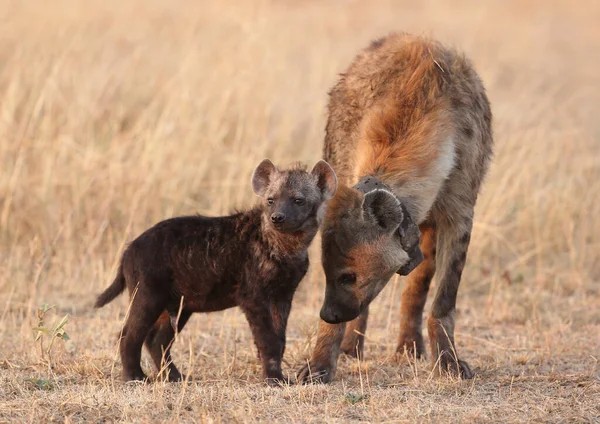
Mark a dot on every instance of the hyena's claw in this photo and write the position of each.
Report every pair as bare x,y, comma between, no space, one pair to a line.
309,374
178,378
456,368
466,373
278,381
135,378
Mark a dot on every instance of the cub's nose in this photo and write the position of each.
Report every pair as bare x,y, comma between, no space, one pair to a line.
277,218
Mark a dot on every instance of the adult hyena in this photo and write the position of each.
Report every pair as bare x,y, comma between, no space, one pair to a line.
409,136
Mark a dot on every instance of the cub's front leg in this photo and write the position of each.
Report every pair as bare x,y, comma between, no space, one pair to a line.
268,340
322,365
280,311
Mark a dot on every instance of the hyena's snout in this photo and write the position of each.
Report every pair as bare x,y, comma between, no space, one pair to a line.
337,312
277,218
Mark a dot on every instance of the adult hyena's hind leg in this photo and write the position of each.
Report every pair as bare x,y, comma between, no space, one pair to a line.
453,244
414,296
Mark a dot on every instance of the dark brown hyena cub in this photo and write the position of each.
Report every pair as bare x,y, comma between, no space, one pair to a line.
253,259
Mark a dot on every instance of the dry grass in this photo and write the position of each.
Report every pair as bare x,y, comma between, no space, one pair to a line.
114,115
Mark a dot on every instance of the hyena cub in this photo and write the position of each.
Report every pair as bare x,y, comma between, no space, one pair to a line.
253,259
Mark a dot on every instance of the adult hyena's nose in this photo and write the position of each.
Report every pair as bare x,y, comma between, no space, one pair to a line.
329,316
335,314
277,218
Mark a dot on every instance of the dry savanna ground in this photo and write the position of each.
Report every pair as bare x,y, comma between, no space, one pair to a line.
114,115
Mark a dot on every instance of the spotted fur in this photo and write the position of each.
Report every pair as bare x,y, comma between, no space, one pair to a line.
415,115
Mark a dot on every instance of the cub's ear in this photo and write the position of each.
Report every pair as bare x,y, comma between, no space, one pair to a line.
382,207
326,179
261,177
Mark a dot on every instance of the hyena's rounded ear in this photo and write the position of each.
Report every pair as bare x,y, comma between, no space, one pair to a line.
382,207
261,177
326,179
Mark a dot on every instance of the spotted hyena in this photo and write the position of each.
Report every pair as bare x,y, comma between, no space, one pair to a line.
409,135
253,259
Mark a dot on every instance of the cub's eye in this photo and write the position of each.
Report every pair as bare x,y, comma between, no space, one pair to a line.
299,201
270,201
347,279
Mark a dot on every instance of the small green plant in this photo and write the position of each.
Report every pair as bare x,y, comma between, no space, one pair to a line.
353,398
40,383
55,332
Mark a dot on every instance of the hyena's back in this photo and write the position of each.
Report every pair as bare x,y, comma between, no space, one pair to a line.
417,110
414,115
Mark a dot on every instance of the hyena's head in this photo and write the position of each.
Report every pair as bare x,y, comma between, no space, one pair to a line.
294,198
366,238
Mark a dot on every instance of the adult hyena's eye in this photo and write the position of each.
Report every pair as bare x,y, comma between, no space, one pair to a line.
270,201
348,278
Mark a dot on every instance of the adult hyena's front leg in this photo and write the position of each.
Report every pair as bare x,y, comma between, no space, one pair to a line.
443,314
414,296
322,365
354,337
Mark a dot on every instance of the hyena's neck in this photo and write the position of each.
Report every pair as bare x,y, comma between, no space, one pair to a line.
286,245
415,162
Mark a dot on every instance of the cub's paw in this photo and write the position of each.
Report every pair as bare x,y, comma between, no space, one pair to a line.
278,381
173,376
134,377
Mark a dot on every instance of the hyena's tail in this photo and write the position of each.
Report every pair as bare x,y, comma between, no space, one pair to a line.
115,289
